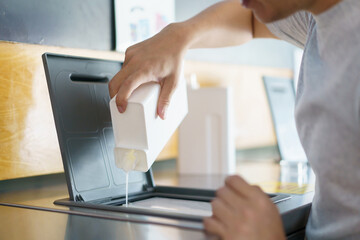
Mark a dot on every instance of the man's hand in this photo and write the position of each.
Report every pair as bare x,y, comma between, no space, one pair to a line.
157,59
242,211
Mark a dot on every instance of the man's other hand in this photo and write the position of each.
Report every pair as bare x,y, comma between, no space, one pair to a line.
242,211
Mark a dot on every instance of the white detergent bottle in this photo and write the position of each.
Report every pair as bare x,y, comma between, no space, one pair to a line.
139,133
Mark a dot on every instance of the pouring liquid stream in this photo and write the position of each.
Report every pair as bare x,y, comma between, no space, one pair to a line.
130,159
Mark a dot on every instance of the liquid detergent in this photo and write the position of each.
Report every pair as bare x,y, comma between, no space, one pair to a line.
130,160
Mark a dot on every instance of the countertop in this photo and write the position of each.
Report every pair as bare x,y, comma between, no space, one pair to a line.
28,212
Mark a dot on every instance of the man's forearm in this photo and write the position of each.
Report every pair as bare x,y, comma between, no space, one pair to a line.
224,24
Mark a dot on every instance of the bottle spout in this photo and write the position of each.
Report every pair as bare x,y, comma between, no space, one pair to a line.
129,159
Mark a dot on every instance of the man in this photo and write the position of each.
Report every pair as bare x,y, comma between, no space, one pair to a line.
327,107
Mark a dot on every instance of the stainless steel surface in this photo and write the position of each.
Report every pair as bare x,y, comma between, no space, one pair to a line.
190,207
20,223
42,191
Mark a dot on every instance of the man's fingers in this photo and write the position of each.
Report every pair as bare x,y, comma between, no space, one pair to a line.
128,86
128,56
239,185
167,89
117,80
229,196
221,211
215,227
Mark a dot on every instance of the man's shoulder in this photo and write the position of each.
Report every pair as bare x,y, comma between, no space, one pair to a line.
294,28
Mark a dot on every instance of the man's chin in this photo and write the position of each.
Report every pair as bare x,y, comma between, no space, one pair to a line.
268,17
264,18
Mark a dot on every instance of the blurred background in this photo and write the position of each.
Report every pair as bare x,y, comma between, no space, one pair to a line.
103,29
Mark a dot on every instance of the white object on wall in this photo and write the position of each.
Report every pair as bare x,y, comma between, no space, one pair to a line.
206,144
139,133
137,20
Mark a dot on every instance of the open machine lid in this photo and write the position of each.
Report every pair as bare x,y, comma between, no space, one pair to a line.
79,95
281,97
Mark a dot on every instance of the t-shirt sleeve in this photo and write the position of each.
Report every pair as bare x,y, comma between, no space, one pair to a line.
293,29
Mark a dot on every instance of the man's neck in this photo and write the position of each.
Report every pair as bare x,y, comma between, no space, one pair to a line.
320,6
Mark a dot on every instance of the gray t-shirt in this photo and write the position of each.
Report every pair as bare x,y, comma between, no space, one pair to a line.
328,113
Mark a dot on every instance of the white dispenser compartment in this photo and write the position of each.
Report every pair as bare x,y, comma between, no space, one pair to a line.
206,143
140,134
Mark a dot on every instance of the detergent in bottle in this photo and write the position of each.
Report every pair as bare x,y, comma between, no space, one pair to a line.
139,133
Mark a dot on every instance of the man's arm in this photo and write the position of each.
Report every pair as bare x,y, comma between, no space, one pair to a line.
158,59
224,24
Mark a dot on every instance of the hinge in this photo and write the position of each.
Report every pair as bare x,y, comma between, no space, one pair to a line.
148,188
79,198
102,200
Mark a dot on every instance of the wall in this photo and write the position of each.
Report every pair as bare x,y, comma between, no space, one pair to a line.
67,23
242,69
260,52
28,141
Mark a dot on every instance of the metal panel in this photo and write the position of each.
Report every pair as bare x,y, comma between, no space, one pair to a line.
68,23
79,98
281,96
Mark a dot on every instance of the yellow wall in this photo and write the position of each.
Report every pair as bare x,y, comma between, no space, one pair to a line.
28,142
